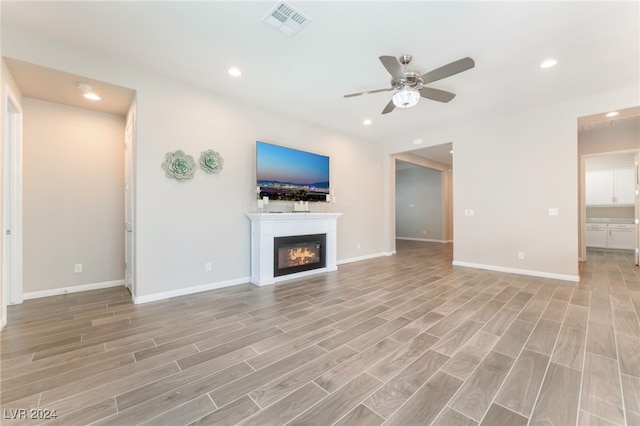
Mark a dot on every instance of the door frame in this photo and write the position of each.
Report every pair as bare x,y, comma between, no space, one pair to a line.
446,194
12,286
583,202
130,201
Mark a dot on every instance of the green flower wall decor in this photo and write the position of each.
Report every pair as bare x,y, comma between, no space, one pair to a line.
179,166
211,161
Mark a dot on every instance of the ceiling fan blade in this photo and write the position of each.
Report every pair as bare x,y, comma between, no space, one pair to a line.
393,65
390,107
368,92
448,70
436,94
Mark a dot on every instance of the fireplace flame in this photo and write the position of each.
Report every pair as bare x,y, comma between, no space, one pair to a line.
301,256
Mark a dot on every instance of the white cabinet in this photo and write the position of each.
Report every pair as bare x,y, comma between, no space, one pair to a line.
611,235
597,234
621,236
624,186
610,187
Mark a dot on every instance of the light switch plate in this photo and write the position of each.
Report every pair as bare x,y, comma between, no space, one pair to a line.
469,212
553,211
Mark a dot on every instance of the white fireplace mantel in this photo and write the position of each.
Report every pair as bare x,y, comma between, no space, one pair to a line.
266,226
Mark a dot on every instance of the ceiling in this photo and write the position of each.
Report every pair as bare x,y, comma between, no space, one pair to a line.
597,45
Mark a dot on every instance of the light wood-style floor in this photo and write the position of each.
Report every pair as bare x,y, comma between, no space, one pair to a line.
402,340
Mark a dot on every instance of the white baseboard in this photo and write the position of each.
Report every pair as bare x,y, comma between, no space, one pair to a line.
563,277
73,289
368,256
426,240
189,290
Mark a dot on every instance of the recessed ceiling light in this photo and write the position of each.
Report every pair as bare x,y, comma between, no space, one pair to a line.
548,63
235,72
612,114
367,122
86,89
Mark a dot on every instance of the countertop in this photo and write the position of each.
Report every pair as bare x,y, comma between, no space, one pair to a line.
610,220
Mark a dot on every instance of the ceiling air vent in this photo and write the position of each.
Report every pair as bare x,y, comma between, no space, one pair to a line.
286,19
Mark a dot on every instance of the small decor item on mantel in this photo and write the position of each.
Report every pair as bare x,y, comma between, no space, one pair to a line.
211,161
179,166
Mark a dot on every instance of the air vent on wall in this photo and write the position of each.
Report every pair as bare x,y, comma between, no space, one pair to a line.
286,19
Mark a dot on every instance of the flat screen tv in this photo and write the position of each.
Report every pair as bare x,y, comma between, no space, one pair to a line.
290,174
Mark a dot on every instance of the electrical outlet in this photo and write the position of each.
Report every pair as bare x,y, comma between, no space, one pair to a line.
424,232
77,268
520,255
207,267
358,246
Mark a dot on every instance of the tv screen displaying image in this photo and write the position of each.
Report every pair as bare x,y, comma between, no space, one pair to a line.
290,174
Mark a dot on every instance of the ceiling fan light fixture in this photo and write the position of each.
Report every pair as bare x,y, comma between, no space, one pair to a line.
406,97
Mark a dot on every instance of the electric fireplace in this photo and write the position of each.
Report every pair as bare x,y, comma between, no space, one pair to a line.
298,253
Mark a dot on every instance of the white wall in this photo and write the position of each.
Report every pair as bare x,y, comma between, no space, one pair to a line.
183,225
419,203
73,196
510,171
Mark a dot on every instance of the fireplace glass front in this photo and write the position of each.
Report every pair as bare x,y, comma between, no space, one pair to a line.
298,253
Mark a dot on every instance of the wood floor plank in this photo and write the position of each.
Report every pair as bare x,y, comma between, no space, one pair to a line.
557,403
631,393
601,340
469,357
416,327
233,413
351,333
513,340
339,403
521,387
361,415
427,402
543,338
498,415
111,378
576,317
226,348
626,322
452,342
281,351
287,408
476,394
267,394
533,311
449,322
224,395
184,377
569,349
183,414
399,389
341,374
601,393
401,358
449,417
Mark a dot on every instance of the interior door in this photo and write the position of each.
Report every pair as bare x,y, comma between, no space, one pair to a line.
129,237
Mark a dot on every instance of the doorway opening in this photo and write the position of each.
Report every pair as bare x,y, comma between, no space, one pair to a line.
421,201
609,183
